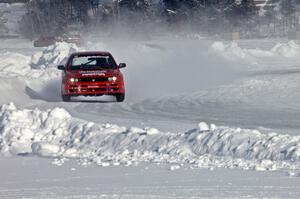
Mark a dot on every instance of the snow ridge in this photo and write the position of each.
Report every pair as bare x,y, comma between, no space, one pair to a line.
232,51
53,55
54,133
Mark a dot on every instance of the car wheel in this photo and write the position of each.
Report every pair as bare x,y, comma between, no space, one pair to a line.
120,97
66,98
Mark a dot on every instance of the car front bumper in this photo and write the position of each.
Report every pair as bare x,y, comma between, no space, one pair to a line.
92,89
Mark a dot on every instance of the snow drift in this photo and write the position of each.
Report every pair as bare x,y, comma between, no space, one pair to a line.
290,49
37,75
53,55
14,64
233,51
41,66
54,133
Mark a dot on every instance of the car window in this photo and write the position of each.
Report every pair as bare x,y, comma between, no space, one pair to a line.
92,62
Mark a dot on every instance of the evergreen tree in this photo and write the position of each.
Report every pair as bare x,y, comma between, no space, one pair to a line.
135,12
182,11
287,19
136,6
242,14
52,17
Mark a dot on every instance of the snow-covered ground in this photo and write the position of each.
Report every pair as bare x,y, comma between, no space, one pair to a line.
28,177
155,144
248,96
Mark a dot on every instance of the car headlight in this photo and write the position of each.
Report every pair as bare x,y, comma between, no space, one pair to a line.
73,80
112,79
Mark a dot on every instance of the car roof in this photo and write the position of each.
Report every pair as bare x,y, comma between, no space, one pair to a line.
90,53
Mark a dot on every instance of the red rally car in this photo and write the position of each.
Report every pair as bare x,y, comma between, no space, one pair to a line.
92,74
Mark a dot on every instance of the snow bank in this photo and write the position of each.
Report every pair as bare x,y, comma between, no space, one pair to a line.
14,64
38,77
54,133
233,51
290,49
18,65
53,55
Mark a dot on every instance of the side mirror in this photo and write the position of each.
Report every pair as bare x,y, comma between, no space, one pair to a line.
122,65
61,67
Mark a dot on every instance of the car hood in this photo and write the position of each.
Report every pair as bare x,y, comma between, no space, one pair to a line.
92,73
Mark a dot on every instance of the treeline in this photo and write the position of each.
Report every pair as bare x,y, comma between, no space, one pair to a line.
14,1
214,17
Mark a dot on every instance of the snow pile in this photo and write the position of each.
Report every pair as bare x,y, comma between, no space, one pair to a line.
21,129
14,64
17,65
290,49
233,51
53,55
40,66
37,83
54,133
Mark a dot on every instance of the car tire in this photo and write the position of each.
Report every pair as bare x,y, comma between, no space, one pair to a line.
120,97
66,98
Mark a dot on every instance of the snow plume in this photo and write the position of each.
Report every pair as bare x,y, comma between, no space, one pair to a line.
53,55
54,133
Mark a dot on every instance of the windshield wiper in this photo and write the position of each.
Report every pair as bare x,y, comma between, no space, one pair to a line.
87,63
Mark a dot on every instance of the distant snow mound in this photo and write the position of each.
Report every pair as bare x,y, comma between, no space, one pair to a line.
290,49
232,51
53,55
54,133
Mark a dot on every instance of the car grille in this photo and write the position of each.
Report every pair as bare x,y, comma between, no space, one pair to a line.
93,90
85,88
96,79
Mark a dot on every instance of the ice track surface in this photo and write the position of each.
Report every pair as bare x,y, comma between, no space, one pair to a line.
26,177
172,87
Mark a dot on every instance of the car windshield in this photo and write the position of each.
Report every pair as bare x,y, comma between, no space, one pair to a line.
92,62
